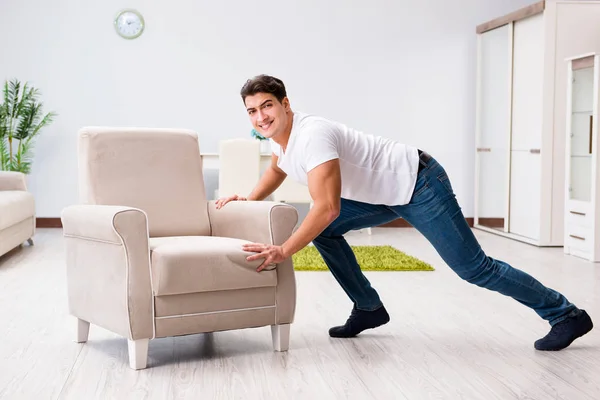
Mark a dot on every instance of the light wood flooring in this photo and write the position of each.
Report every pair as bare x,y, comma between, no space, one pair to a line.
446,339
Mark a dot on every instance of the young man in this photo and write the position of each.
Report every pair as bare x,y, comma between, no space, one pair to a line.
358,181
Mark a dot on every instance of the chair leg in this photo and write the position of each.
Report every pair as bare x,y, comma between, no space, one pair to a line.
281,337
138,353
30,241
83,330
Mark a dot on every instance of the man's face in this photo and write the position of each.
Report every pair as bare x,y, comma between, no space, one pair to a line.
268,116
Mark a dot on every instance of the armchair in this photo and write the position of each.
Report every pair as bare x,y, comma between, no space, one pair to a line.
148,256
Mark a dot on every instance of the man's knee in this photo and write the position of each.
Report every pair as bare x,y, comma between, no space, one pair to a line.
330,232
326,234
478,273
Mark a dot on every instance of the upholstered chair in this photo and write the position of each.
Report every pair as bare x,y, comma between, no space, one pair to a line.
148,256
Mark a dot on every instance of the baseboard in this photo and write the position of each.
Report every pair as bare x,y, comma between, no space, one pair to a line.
48,223
492,222
57,223
401,223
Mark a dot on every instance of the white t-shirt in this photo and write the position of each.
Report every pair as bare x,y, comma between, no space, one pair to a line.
374,169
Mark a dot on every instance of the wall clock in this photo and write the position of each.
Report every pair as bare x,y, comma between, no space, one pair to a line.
129,24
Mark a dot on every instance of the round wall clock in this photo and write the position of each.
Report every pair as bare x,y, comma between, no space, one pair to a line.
129,24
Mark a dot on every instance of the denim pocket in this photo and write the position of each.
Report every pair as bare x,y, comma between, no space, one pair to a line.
420,190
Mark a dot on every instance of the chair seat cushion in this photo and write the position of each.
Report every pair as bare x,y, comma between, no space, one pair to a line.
192,264
15,206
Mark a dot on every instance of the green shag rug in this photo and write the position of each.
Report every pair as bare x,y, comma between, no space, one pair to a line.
370,258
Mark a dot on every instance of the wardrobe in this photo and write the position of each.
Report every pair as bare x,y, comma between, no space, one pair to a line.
521,109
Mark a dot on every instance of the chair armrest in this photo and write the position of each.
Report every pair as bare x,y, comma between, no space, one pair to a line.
262,222
12,180
256,221
108,268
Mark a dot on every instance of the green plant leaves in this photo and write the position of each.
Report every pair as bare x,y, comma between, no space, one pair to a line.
21,120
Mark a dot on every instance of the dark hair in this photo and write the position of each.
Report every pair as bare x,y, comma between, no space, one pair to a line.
264,84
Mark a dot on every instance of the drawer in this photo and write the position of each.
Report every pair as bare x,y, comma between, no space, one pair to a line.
582,207
579,237
580,218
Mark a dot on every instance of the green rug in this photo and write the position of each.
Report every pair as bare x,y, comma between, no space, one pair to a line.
370,258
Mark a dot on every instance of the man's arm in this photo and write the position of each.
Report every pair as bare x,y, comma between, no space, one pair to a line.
269,181
324,185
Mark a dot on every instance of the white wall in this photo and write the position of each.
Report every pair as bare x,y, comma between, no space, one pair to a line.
403,69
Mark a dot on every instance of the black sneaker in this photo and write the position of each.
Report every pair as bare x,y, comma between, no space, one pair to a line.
359,321
565,332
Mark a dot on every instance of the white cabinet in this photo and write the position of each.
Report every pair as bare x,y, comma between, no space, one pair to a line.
582,238
520,141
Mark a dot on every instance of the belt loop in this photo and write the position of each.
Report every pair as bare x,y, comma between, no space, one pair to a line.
422,162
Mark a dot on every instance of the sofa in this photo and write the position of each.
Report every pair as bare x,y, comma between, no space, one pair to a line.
148,256
17,211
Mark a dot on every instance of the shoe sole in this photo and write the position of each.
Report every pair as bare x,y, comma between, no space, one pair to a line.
346,337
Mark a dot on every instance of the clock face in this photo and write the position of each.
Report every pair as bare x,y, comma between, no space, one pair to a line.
129,24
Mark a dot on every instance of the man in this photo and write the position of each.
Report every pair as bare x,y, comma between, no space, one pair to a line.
358,181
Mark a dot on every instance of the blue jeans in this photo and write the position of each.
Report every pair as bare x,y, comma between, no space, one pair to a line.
435,213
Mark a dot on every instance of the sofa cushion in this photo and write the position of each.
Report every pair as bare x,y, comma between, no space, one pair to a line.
191,264
15,206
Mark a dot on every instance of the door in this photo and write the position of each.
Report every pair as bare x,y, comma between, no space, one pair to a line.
493,127
526,129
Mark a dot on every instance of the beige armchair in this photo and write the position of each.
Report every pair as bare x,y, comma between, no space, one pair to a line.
148,256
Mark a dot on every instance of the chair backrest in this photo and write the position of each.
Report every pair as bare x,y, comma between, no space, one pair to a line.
291,191
239,166
156,170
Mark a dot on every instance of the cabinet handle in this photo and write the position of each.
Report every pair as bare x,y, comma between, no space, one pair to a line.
577,213
591,123
483,149
534,151
577,237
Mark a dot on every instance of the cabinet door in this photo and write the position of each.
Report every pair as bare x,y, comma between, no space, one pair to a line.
579,140
526,130
493,127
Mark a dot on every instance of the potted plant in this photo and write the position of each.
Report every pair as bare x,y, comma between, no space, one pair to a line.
265,147
21,119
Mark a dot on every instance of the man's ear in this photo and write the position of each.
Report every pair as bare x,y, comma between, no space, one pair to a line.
286,103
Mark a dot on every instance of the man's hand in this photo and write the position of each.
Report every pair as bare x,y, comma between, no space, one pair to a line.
271,254
224,200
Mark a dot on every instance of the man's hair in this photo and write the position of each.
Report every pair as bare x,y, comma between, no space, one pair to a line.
264,84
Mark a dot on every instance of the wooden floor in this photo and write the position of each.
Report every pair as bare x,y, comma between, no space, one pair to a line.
446,339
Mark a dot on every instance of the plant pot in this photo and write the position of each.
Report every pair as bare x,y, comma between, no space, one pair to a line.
265,147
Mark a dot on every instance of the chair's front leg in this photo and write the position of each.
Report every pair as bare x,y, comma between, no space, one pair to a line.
281,337
138,353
